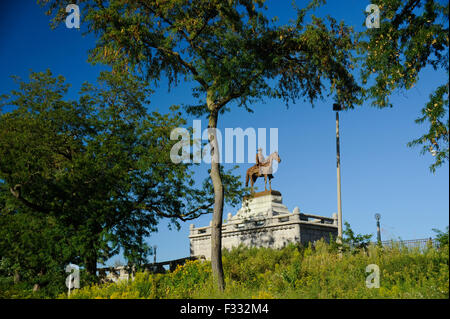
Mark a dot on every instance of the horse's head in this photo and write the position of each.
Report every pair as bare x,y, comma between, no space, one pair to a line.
277,157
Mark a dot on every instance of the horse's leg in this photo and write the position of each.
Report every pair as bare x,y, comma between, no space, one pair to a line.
270,184
254,177
265,182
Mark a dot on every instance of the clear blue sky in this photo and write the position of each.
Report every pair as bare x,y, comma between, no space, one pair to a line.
380,174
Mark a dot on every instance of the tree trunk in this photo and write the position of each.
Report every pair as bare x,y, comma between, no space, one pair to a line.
16,276
216,226
37,286
91,261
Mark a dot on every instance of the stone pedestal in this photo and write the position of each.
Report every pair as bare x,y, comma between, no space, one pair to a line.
264,221
261,205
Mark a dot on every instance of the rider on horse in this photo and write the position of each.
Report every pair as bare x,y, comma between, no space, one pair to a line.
261,161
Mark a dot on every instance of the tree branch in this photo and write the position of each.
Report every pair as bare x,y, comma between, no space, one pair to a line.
193,214
178,56
187,65
238,93
16,192
407,10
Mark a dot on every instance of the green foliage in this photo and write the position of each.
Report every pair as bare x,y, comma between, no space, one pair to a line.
442,237
231,49
295,272
413,34
82,179
354,242
184,282
35,250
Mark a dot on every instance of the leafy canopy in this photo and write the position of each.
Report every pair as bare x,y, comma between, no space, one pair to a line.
413,35
98,167
230,49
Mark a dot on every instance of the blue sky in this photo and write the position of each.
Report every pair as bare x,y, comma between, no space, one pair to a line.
380,174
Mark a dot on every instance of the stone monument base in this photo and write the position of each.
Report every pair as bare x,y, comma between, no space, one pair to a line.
263,221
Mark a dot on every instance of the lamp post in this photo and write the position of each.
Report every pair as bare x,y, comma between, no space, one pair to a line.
337,108
377,217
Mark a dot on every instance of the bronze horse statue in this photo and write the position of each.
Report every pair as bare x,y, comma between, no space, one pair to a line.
263,169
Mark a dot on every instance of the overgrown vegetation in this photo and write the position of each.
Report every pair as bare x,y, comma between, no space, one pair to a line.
295,272
321,270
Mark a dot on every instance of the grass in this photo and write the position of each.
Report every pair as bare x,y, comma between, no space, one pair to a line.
318,272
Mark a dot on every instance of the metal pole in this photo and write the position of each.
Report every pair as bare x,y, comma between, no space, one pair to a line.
378,232
377,217
338,165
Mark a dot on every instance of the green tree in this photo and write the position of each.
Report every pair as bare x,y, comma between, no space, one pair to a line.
93,173
350,241
441,237
354,241
34,251
413,34
231,50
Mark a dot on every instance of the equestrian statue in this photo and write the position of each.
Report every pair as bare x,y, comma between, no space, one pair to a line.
263,167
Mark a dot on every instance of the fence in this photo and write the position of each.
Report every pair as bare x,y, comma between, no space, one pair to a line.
411,243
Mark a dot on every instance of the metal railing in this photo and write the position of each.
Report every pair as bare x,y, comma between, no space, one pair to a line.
410,243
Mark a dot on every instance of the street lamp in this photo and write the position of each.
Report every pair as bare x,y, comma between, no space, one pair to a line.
377,217
337,108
